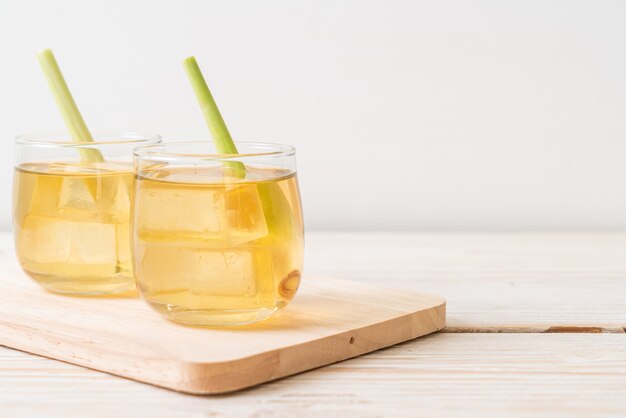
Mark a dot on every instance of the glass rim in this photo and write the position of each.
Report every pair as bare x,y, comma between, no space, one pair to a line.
63,139
273,150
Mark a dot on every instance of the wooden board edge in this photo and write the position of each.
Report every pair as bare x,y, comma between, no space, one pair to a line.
203,379
233,375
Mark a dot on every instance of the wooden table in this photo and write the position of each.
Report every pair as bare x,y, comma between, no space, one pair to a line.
536,325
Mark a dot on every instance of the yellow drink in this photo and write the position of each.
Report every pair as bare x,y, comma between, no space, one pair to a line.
71,223
214,249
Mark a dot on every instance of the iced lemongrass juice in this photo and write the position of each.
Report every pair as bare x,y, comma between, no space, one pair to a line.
71,201
213,248
71,224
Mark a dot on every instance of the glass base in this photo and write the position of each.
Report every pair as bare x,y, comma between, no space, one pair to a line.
212,317
120,285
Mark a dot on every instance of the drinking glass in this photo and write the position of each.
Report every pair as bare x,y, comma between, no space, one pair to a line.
71,210
217,238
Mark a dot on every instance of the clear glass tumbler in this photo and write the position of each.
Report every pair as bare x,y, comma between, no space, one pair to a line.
217,239
71,210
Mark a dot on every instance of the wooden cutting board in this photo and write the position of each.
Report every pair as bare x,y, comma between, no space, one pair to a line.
330,320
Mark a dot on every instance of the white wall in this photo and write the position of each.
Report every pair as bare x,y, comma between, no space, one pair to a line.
406,114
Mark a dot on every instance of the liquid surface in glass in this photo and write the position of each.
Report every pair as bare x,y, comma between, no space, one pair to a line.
214,249
71,223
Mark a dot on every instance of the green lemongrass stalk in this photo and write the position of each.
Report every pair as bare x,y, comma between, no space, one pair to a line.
276,208
212,116
66,104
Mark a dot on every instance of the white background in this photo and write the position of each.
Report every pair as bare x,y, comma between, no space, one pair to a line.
439,115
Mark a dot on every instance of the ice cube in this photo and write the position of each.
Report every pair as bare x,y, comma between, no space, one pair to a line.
244,211
122,232
219,217
52,240
77,195
168,208
121,200
233,273
45,194
114,196
105,197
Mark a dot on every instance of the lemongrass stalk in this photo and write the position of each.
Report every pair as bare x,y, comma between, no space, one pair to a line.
276,208
212,116
66,104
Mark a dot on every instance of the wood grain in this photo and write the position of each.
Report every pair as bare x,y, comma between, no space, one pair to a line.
498,282
545,281
330,320
443,375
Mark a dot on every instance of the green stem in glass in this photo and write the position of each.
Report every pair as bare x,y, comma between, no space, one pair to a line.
66,104
276,208
212,116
